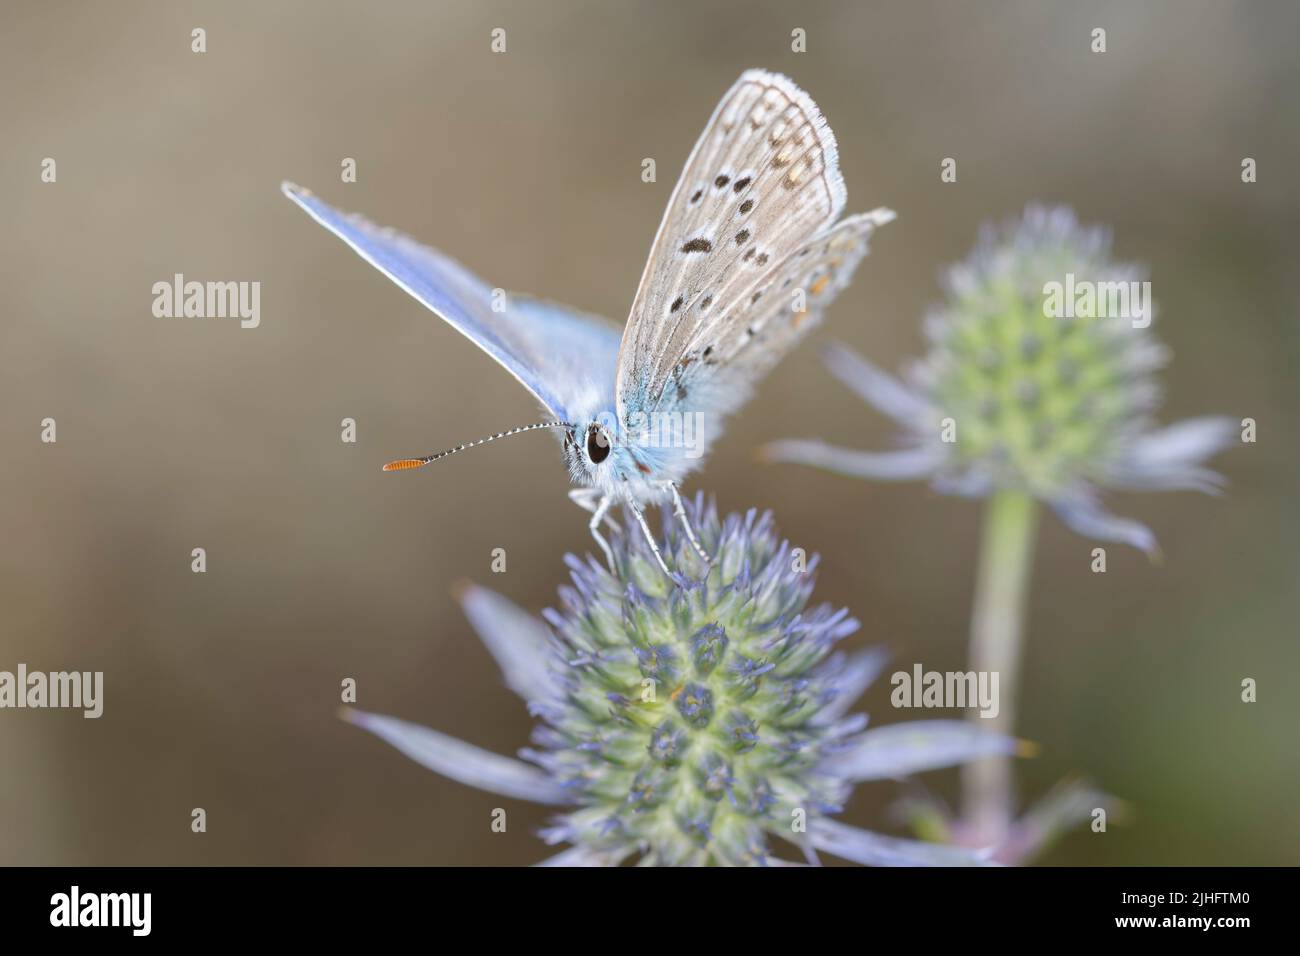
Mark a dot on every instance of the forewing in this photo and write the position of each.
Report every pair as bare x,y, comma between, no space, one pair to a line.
762,180
565,358
725,357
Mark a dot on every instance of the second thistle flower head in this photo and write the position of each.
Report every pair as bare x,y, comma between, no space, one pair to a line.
1040,396
690,721
1040,378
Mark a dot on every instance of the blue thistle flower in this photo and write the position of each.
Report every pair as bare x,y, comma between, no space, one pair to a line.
688,722
1058,408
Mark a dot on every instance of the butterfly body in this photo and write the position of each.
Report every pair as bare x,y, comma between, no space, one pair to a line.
750,251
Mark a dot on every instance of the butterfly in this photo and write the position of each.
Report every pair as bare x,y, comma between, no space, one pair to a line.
750,251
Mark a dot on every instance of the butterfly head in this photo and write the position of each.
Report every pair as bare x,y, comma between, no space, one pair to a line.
612,459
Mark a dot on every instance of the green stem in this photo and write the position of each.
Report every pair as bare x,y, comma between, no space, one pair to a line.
997,627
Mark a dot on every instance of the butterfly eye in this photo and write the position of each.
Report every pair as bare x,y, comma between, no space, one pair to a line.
597,444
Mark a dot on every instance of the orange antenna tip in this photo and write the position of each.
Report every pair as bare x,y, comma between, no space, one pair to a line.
405,464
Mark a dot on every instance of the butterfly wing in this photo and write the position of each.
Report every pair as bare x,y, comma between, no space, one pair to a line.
722,360
761,186
564,358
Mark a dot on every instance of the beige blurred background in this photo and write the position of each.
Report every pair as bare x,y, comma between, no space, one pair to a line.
222,688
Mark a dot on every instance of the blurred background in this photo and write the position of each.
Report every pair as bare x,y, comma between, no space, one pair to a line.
222,688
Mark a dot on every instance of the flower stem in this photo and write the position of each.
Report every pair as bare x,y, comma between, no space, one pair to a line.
997,625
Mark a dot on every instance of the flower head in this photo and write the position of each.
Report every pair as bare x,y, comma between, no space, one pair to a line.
1033,383
689,721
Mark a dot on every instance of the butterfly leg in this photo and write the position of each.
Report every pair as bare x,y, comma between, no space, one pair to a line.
679,510
592,500
650,538
588,499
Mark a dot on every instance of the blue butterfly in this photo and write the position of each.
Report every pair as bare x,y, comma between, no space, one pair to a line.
749,253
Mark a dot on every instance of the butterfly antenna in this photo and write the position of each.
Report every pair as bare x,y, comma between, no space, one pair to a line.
404,464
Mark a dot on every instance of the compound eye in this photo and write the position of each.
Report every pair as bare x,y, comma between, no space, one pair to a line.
597,444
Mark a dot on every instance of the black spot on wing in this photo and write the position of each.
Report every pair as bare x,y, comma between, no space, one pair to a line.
698,245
